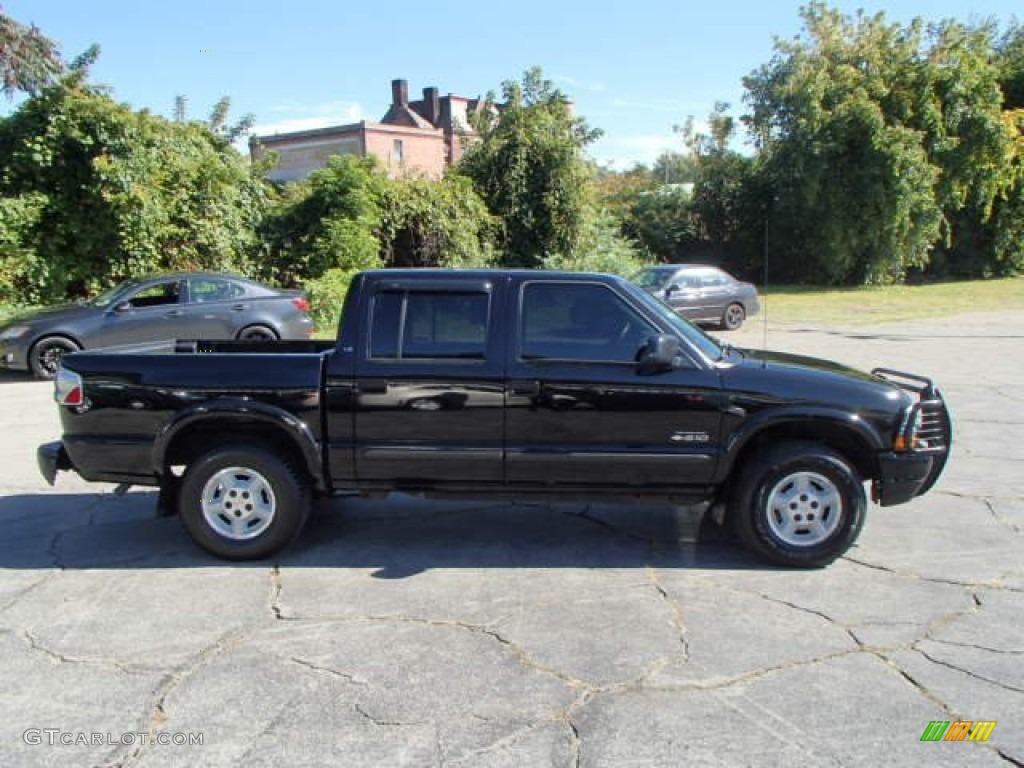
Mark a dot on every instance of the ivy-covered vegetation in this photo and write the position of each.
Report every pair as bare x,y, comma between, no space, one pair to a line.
880,152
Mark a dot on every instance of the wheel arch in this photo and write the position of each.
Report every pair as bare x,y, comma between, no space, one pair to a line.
196,430
848,435
260,322
55,333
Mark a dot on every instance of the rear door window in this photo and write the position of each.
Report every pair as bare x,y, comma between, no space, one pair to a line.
429,325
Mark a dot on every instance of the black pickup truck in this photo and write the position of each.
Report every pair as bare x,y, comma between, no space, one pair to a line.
512,384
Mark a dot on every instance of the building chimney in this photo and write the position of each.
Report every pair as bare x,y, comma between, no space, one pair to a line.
400,93
432,105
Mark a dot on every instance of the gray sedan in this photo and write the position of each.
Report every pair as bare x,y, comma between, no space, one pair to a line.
193,305
702,294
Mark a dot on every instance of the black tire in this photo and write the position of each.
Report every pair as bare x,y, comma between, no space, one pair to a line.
45,356
257,333
799,504
243,502
733,317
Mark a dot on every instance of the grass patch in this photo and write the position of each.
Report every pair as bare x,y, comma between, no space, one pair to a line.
871,304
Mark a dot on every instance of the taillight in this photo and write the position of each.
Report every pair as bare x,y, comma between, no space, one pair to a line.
67,388
301,304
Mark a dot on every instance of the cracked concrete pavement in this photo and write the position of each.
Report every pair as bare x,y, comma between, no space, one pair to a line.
404,632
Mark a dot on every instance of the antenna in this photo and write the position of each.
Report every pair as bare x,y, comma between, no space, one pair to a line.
764,279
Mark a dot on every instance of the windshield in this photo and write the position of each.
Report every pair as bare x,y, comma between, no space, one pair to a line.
702,341
652,279
107,298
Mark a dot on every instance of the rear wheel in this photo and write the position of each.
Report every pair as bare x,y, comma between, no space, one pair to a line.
257,333
800,504
243,502
733,317
46,354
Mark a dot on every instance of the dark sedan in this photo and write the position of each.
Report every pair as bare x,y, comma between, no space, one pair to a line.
702,294
193,305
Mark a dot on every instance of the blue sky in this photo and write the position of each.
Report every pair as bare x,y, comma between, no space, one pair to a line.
633,68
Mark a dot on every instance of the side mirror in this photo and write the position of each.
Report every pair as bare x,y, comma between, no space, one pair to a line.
124,306
661,353
671,289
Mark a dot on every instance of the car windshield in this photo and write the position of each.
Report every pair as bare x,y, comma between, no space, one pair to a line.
708,345
652,279
107,298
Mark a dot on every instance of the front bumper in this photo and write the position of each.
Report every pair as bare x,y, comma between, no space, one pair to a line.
52,458
902,476
13,355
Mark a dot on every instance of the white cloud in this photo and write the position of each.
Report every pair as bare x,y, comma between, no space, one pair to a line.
622,152
594,86
307,117
311,116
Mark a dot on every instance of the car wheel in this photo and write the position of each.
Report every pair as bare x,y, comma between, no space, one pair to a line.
242,502
800,505
733,317
46,354
257,333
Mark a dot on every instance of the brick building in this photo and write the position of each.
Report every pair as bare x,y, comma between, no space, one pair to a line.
420,137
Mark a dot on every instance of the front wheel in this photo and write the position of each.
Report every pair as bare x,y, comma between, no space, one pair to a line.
46,354
242,502
800,505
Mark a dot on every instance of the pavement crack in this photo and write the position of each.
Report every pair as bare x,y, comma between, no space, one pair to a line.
53,550
275,592
999,518
26,591
1009,758
918,686
932,579
813,612
348,678
585,514
677,610
746,677
975,646
969,673
382,723
63,658
575,738
158,716
502,743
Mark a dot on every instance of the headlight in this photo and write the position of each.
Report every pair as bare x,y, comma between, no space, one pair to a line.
14,332
909,440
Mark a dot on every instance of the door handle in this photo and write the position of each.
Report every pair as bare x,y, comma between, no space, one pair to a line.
526,388
239,307
174,313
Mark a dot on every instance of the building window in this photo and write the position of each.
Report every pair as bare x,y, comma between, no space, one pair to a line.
397,152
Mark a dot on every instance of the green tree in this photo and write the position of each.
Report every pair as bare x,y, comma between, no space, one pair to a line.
28,59
880,142
426,223
104,193
527,163
675,167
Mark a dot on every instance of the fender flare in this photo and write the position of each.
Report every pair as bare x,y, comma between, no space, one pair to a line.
247,411
750,429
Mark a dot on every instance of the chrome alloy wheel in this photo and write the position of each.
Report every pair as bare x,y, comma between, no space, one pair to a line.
804,509
238,503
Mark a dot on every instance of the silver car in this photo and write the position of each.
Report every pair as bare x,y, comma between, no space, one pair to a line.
701,293
137,313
